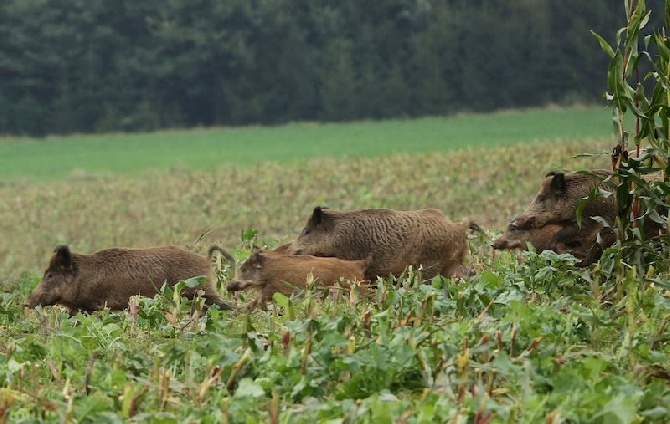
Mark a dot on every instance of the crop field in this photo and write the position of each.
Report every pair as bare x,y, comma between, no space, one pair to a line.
528,338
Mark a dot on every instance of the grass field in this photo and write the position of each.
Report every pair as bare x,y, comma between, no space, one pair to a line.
528,338
59,157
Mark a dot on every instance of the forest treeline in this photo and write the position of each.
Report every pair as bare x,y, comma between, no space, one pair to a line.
136,65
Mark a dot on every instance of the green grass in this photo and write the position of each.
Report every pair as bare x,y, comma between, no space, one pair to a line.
130,154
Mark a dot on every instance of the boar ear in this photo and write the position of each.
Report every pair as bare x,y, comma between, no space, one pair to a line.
317,215
62,258
256,258
558,183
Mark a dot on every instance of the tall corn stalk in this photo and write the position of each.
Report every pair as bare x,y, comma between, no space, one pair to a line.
640,180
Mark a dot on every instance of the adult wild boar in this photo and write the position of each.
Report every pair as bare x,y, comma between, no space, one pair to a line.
274,271
110,277
557,203
390,240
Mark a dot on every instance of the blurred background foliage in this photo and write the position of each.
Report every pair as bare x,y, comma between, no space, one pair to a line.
139,65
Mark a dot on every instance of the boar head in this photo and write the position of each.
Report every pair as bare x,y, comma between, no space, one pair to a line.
546,205
58,283
249,273
316,237
560,196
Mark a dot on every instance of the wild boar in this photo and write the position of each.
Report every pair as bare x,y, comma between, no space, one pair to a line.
110,277
563,237
559,197
545,238
274,271
390,240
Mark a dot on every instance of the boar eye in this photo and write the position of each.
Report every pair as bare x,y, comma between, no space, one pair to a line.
307,231
541,199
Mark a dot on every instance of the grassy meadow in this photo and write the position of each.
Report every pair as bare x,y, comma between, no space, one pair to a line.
131,154
528,338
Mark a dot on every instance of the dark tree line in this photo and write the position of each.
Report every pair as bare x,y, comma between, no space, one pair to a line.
131,65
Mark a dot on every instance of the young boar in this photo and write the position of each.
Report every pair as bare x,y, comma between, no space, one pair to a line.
110,277
545,238
559,197
273,271
390,240
563,237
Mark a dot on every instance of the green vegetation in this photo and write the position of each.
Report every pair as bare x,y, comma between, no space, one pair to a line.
527,339
519,343
86,155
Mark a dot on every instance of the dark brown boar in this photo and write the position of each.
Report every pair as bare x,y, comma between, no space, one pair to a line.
273,272
544,238
390,240
111,276
563,237
559,197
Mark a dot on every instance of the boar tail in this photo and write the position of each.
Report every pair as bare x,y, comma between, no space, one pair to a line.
214,248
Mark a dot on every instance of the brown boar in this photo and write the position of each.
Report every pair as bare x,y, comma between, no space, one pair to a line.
564,237
556,204
110,277
391,240
559,197
545,238
276,272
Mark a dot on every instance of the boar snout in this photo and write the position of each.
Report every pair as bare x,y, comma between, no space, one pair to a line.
39,298
499,244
